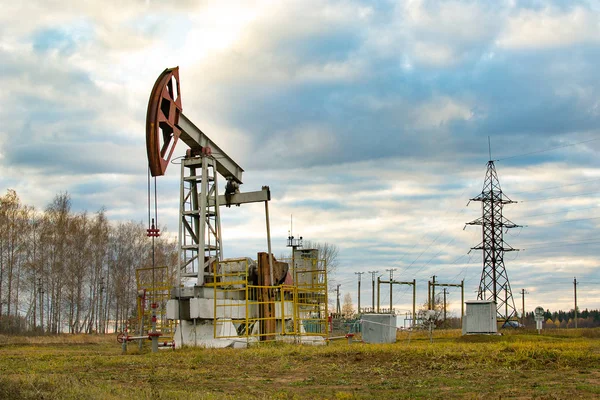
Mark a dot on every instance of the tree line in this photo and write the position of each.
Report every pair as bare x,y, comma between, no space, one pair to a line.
65,271
566,319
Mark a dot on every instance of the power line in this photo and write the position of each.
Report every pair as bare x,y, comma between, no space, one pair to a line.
462,271
427,248
565,221
428,262
561,245
462,210
566,282
557,187
558,197
562,241
438,253
550,149
560,212
434,240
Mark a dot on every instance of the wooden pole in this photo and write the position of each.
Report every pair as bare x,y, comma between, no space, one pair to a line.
269,242
575,288
429,295
433,294
462,301
414,302
266,308
378,285
523,314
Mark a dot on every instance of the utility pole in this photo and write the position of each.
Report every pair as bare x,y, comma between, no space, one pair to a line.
462,301
100,309
391,282
445,293
433,294
359,274
523,293
575,291
373,290
429,295
35,306
41,292
378,297
461,285
338,309
414,316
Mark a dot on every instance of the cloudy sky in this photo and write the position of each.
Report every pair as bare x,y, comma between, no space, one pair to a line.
369,120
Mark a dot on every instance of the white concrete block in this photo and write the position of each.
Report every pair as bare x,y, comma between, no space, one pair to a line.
172,309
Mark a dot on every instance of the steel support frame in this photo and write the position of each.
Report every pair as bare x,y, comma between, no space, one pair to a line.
393,282
494,284
200,242
461,285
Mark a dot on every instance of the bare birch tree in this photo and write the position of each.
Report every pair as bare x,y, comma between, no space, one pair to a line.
71,272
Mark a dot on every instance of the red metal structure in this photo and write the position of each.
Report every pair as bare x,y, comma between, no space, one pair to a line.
162,119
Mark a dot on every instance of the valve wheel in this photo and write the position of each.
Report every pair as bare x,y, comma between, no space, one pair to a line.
121,337
162,132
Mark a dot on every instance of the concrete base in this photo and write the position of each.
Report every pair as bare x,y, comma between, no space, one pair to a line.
201,308
202,334
313,340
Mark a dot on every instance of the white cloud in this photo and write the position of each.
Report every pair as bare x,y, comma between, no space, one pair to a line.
435,34
411,64
435,54
440,111
260,52
463,22
303,142
550,27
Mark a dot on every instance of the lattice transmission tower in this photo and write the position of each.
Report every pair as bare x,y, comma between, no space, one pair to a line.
494,283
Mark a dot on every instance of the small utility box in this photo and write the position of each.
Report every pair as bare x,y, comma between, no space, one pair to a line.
480,318
379,328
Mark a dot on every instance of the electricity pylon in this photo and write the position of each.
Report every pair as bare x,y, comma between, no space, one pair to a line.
494,283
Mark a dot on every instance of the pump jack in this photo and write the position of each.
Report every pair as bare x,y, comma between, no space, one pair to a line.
200,223
221,302
200,242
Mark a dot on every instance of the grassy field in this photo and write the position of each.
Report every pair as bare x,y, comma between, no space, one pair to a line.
555,365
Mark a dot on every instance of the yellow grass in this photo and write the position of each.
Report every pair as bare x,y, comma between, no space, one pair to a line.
557,364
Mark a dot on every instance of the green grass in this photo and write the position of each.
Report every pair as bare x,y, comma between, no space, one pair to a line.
557,364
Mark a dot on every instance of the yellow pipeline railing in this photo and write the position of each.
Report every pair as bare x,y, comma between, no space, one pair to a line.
310,302
265,313
153,286
231,308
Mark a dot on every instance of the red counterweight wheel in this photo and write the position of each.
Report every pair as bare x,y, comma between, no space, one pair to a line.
162,132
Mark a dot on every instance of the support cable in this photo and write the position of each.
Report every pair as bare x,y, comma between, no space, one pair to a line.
557,187
561,212
549,149
148,197
563,221
558,197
